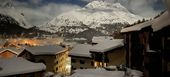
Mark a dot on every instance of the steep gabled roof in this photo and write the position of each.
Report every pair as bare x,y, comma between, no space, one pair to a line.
12,49
161,22
137,27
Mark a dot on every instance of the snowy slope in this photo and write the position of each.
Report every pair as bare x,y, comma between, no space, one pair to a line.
7,8
93,15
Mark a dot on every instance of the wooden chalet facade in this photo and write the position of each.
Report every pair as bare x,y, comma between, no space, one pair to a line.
105,53
148,45
9,52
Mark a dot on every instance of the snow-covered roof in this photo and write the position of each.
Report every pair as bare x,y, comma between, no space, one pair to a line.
45,50
12,49
81,50
107,45
161,22
98,39
18,65
137,27
99,72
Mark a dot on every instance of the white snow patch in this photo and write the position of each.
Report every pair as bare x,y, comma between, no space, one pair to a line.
161,22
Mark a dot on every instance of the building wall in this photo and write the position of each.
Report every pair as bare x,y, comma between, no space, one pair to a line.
48,60
81,63
7,54
116,57
55,63
135,47
61,62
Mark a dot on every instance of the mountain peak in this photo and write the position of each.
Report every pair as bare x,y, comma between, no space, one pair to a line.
105,5
95,15
97,4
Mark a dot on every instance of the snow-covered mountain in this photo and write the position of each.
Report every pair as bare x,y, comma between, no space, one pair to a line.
8,8
94,15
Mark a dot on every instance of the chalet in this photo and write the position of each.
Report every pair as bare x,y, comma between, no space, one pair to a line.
137,44
105,53
161,40
135,37
10,52
20,67
147,45
81,57
108,52
53,56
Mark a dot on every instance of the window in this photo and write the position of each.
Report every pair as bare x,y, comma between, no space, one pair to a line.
56,68
81,67
73,60
57,62
82,62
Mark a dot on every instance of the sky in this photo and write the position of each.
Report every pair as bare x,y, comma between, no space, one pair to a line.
39,12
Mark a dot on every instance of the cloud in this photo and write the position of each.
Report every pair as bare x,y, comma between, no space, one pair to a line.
40,14
145,8
43,14
35,1
100,0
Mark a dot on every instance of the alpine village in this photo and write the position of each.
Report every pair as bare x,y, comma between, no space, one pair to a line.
99,40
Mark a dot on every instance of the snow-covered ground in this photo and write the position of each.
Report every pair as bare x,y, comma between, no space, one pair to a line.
101,72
